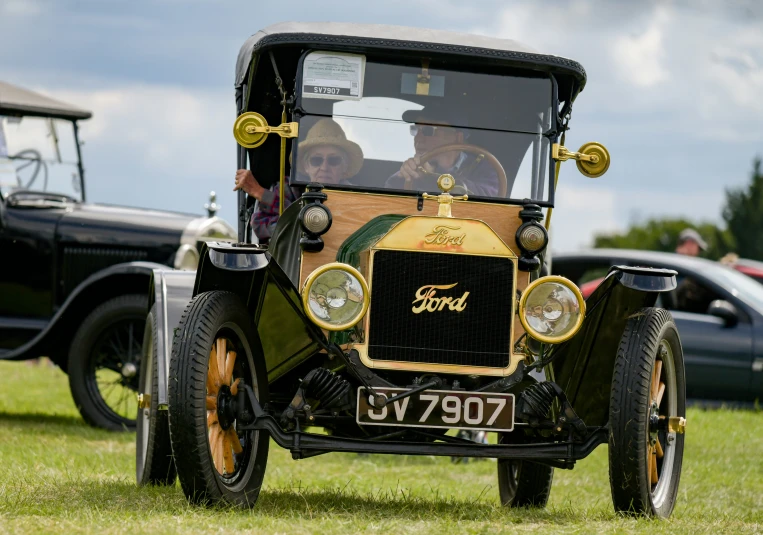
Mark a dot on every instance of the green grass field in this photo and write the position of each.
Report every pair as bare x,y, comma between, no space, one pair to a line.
59,475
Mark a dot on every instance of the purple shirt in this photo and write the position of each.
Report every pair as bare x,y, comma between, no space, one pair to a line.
265,217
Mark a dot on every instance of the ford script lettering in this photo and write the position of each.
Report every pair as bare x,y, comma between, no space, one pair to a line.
425,296
441,236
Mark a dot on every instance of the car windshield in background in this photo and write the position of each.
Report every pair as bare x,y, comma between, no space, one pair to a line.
741,286
38,154
491,132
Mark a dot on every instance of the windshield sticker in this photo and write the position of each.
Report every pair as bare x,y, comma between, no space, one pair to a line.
333,75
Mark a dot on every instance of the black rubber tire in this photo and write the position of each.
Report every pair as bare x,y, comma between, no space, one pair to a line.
524,483
629,415
154,464
87,397
205,316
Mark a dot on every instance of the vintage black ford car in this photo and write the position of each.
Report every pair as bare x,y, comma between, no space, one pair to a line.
74,275
401,295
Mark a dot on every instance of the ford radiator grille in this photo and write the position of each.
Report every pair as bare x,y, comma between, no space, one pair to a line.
441,308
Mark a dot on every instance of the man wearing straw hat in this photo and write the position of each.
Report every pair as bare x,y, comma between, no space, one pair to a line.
325,155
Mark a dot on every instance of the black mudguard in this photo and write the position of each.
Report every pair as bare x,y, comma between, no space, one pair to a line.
54,339
583,365
287,335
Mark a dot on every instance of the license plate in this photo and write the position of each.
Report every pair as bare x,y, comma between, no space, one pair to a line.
439,409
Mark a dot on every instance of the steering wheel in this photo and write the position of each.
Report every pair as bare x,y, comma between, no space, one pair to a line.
481,155
36,160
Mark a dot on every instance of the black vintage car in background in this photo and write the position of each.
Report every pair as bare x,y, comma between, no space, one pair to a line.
74,276
718,311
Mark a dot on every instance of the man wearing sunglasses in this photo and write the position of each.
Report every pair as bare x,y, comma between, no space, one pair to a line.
325,156
436,126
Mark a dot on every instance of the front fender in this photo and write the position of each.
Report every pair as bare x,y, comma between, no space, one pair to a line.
171,291
287,335
583,366
54,339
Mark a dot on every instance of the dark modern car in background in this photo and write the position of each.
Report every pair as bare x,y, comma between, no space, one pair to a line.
74,276
718,311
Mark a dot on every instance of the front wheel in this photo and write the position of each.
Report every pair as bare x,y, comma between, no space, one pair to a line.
154,464
216,350
647,416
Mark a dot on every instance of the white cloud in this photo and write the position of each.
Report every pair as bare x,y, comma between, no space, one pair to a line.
640,58
20,7
581,212
158,146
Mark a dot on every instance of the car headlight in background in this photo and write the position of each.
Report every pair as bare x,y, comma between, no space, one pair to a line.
335,296
551,309
201,229
186,258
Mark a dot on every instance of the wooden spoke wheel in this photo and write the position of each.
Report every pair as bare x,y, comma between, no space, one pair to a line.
647,416
215,353
222,389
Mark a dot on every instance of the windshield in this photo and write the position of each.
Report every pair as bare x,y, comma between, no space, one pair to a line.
38,154
384,126
741,286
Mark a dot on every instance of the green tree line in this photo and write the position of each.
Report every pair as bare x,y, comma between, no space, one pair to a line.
743,232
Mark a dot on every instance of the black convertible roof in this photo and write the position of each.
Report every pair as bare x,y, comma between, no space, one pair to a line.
403,38
15,100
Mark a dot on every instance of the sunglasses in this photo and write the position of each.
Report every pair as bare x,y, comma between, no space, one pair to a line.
317,161
428,130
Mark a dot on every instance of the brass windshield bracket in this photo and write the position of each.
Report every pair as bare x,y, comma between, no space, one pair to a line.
592,158
251,129
445,183
284,130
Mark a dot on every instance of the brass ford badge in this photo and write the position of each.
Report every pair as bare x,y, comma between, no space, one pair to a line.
429,303
440,235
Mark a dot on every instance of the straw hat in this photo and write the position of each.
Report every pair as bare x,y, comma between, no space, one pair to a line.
328,132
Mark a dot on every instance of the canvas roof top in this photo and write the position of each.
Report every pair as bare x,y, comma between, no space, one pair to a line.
15,100
401,37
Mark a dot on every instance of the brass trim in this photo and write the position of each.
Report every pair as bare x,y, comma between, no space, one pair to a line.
415,244
144,401
251,129
677,424
562,154
341,267
414,233
445,183
592,159
523,299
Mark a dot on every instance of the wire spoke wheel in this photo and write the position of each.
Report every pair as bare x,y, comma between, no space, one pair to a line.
104,362
112,377
647,416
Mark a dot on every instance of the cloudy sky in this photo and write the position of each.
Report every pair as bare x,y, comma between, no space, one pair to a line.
675,91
